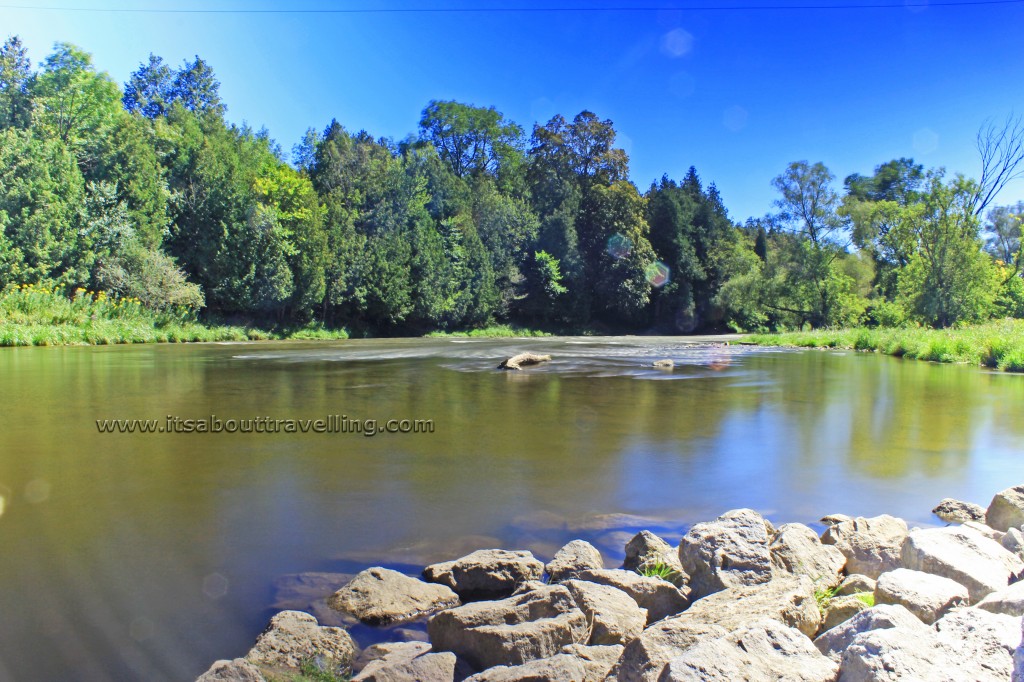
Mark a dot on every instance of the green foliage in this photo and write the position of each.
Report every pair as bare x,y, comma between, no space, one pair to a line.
661,570
868,598
471,140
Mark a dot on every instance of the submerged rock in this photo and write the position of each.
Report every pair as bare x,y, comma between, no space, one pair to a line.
664,364
523,360
955,511
380,596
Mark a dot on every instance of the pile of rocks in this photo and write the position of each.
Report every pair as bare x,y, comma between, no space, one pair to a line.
870,599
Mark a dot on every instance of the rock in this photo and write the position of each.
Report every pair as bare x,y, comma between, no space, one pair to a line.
238,670
789,600
558,668
1008,601
597,660
796,549
645,550
927,596
380,596
523,360
764,650
660,597
576,556
613,616
664,364
645,658
511,631
981,634
398,662
529,586
871,546
979,564
984,531
293,637
834,641
731,551
955,511
1018,659
897,654
1006,509
486,573
1013,542
841,609
833,519
296,591
855,584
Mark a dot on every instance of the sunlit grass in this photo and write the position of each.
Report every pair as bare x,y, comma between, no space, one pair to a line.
998,344
494,331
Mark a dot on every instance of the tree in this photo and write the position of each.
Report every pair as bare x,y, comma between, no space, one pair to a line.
471,140
1003,232
16,81
1002,155
154,88
898,180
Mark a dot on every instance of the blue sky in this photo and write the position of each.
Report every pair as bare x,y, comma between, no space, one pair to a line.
738,93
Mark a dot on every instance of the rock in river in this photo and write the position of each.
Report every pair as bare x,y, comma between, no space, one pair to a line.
380,596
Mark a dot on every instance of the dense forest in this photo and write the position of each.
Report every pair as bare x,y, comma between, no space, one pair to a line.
147,191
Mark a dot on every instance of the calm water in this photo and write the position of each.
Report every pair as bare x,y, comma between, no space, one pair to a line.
148,556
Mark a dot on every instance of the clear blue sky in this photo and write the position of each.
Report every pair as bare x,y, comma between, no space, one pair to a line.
737,93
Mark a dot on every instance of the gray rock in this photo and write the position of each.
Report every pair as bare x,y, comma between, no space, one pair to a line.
984,531
238,670
645,658
979,564
841,609
293,637
511,631
927,596
597,661
789,600
380,596
871,546
660,597
1008,601
833,519
1018,659
855,584
1013,542
645,550
576,556
765,650
613,616
486,573
797,550
402,661
558,668
1006,509
834,641
664,364
981,635
955,511
731,551
523,360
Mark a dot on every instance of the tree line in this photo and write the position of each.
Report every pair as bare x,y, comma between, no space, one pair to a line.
148,191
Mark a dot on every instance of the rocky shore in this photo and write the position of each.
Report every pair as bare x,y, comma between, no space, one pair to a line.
738,599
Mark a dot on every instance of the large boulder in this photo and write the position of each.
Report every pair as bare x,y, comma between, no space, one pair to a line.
401,661
486,573
764,650
1018,659
1008,601
927,596
871,546
646,551
978,563
796,549
238,670
1006,509
597,660
660,597
511,631
731,551
614,617
1013,541
558,668
834,641
955,511
292,637
789,600
380,596
987,640
578,555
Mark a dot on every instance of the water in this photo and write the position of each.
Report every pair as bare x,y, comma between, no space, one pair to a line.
148,556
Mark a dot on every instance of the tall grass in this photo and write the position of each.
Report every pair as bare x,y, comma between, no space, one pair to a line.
494,331
998,344
40,316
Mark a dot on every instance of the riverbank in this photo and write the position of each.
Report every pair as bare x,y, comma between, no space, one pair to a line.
999,345
867,599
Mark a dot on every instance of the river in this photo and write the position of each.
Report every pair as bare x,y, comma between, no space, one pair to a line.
150,555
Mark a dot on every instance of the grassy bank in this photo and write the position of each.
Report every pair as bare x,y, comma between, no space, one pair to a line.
35,316
499,331
995,344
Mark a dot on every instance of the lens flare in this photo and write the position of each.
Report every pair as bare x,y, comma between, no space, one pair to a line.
619,246
657,274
